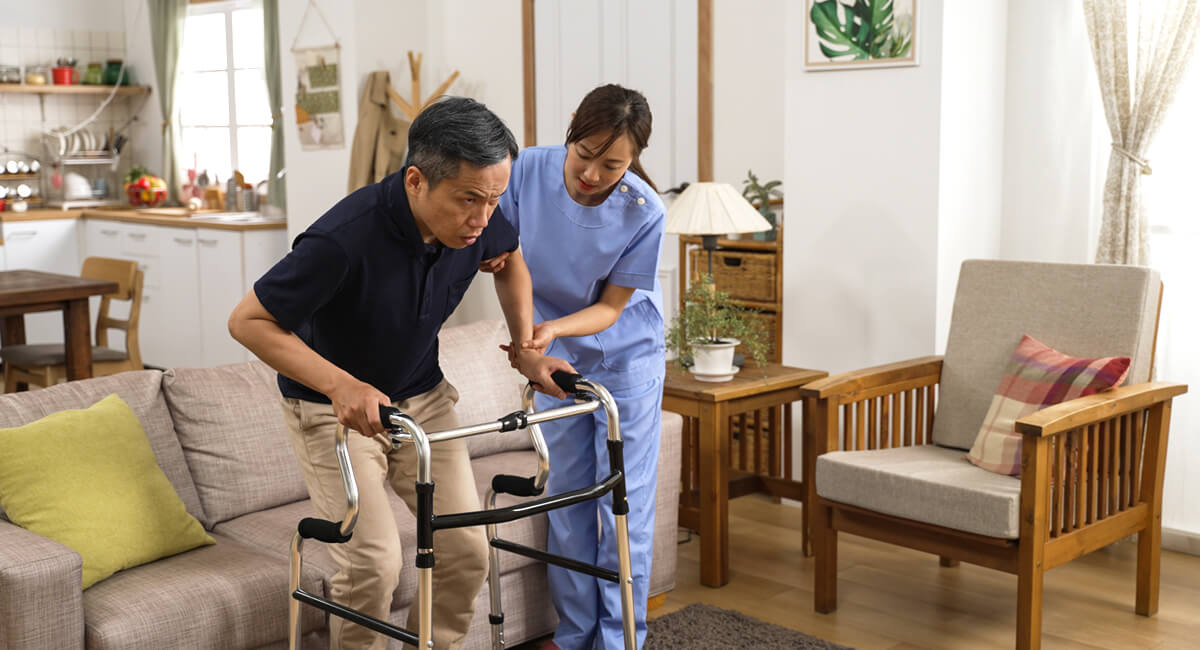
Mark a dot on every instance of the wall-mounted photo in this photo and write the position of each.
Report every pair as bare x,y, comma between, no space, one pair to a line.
848,34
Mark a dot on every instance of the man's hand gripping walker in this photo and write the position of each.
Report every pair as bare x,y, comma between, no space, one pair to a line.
402,429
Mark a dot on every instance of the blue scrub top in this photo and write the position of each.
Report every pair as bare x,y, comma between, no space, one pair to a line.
573,251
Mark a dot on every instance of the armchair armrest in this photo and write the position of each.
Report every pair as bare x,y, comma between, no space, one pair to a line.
1094,408
858,380
41,598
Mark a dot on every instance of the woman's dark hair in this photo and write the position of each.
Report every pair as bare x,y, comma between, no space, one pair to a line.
619,110
453,130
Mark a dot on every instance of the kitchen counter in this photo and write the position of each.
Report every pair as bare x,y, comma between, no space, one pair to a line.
174,217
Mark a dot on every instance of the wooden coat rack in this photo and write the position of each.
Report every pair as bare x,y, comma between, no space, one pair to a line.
411,110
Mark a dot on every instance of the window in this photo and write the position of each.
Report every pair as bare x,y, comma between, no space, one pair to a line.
221,94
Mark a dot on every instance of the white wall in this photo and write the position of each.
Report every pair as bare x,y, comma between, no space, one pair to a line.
861,156
749,62
92,15
1050,177
971,158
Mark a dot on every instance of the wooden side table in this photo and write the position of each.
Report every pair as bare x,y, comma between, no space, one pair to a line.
707,408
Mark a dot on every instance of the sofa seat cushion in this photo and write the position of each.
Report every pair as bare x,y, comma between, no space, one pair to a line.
222,596
54,354
231,426
926,483
271,530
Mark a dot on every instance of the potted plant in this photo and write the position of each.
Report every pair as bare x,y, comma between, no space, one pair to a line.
708,328
760,197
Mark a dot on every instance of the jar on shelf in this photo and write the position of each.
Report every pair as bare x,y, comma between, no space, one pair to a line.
37,75
10,74
94,75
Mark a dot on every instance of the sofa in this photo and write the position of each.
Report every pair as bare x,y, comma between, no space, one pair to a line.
218,435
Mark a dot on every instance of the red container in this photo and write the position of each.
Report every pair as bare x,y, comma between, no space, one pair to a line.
65,75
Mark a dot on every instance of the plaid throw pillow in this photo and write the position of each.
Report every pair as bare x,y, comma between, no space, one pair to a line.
1037,376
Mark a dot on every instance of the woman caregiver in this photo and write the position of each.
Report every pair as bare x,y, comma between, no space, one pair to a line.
591,229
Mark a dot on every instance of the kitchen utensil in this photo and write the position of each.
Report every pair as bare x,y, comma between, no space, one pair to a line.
65,76
35,167
67,61
19,206
24,191
11,166
75,186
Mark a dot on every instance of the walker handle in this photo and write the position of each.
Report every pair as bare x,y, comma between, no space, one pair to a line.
385,413
566,380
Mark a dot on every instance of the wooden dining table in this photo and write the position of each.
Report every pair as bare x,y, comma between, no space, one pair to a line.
24,291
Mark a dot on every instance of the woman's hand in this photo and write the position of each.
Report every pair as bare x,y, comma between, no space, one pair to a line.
543,335
495,264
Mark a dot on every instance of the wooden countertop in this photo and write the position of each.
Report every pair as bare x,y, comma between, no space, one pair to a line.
150,216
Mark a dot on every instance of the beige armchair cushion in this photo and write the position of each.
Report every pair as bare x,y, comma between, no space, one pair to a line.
926,483
488,388
1092,310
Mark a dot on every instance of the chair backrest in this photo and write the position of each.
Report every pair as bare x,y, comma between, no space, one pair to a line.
129,287
1084,310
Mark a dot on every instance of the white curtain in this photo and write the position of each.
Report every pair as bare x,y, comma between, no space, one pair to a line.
1165,33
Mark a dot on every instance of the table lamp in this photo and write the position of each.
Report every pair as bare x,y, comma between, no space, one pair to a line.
711,210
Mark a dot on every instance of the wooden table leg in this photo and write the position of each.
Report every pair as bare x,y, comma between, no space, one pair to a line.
808,465
12,332
77,332
714,495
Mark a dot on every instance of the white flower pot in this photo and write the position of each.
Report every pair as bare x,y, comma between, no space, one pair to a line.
714,361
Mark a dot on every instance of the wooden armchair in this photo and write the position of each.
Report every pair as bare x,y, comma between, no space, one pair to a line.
45,364
885,467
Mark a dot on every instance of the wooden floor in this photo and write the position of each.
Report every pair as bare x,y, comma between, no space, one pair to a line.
890,597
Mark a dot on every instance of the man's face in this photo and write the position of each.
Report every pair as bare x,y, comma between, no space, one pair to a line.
458,209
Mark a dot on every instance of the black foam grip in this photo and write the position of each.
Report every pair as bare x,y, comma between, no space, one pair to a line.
326,531
385,413
515,485
565,380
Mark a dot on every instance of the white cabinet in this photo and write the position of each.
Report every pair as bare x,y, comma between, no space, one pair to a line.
219,253
194,277
51,246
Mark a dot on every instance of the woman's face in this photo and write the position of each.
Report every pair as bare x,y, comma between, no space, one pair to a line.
590,174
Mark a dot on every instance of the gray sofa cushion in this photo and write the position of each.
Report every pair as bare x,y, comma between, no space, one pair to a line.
232,431
488,387
141,390
221,596
1084,310
926,483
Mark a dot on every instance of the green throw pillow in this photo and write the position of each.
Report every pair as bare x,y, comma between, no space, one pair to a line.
88,479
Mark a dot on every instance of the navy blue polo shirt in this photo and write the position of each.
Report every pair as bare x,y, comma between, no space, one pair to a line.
363,290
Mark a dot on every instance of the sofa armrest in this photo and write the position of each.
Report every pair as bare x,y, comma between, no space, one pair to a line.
41,598
848,383
1092,409
666,513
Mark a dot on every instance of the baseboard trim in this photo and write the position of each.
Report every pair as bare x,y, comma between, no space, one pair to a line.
1183,541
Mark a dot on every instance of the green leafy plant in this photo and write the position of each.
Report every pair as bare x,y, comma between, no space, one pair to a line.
711,316
760,195
136,172
866,29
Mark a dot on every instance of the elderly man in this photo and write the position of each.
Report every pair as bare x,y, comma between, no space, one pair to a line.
350,319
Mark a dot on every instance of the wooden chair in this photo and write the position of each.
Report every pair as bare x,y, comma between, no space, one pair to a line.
45,364
1092,468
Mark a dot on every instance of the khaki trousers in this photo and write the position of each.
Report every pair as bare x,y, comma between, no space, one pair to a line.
370,563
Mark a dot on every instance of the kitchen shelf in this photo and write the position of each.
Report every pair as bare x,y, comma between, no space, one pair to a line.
72,89
19,177
88,160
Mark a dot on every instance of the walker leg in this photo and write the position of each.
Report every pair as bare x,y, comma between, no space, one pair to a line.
625,571
293,604
496,613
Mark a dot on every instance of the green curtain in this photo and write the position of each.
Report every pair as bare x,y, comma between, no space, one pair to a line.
166,38
276,187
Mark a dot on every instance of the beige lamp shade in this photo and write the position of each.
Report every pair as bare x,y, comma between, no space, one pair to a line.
713,209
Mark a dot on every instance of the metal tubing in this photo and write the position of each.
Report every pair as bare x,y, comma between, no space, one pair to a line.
355,616
527,508
342,450
425,590
496,611
624,567
539,442
556,560
294,630
399,437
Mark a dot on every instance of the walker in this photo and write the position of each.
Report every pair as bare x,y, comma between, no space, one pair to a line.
402,429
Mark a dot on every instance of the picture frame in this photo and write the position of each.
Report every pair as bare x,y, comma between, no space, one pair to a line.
833,38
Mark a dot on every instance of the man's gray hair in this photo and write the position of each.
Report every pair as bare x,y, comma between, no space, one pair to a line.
456,130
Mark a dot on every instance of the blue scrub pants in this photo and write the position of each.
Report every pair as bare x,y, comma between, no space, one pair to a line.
589,609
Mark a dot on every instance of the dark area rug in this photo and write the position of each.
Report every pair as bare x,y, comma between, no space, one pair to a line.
704,626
